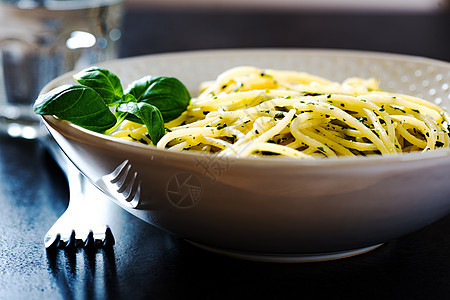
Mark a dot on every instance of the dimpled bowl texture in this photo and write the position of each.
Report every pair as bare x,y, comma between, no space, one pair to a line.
271,209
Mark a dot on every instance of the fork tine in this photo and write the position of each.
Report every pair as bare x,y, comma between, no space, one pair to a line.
72,242
89,244
109,240
106,240
52,241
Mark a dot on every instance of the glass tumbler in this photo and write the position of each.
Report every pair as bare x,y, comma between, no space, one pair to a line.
41,39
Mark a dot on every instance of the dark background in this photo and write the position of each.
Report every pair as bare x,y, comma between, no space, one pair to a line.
422,34
147,263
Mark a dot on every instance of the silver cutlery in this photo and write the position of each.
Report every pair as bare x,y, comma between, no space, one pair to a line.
81,225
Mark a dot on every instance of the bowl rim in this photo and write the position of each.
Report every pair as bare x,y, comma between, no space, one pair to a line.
82,134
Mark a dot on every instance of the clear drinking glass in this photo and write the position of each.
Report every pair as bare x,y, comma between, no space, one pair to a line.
41,39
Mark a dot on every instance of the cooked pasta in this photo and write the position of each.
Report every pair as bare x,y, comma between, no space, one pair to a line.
247,111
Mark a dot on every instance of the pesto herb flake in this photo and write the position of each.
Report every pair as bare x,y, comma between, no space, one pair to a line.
219,127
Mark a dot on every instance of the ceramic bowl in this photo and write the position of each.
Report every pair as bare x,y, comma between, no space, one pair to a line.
271,209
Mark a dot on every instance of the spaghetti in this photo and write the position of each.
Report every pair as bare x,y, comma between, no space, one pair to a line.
252,112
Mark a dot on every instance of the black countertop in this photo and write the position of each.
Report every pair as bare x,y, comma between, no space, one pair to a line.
147,263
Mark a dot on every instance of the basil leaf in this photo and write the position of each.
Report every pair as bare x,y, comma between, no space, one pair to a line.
168,94
138,87
78,104
125,99
147,114
103,82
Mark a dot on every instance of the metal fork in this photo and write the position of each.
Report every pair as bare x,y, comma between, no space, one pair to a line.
81,225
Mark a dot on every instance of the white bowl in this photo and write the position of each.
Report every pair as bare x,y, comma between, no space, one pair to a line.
271,209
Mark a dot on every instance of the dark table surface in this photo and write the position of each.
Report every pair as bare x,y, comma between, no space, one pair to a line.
147,263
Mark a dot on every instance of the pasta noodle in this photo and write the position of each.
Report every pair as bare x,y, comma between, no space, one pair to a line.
247,111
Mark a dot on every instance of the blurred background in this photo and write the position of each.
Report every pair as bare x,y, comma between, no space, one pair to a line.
330,5
415,27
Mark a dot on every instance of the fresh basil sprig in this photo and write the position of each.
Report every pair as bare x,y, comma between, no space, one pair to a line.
99,102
